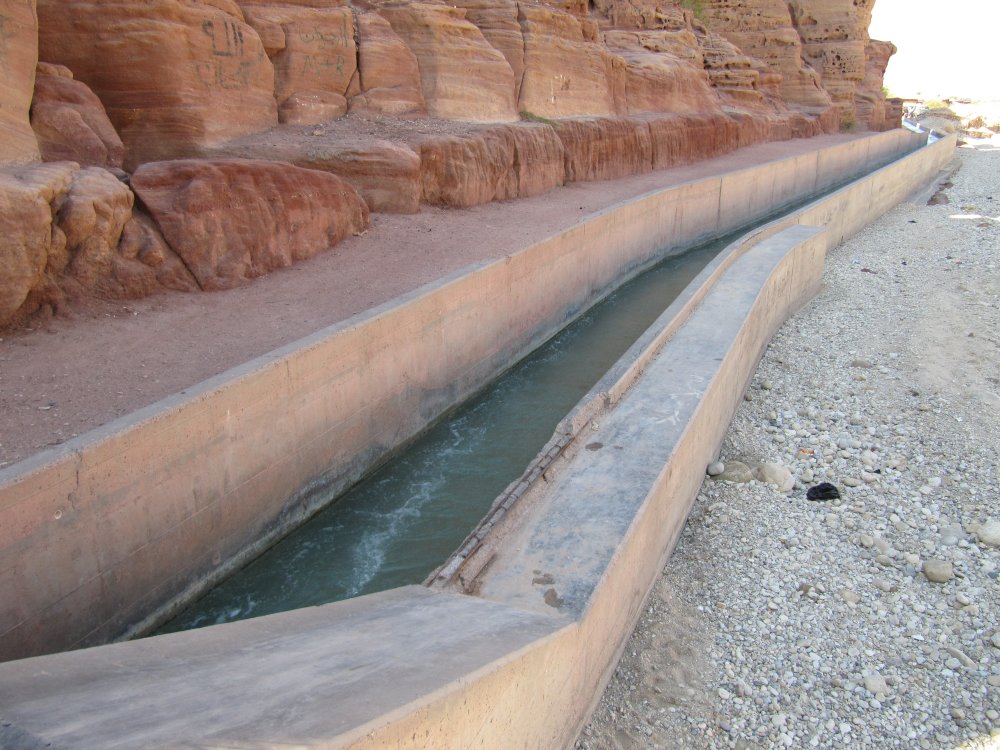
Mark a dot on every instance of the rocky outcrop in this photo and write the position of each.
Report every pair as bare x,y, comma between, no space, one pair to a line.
565,74
389,75
385,173
70,121
664,71
498,22
18,56
174,75
763,29
231,220
26,233
462,76
432,92
498,163
836,43
314,57
67,231
870,103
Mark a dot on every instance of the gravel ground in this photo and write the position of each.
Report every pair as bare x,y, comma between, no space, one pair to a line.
873,620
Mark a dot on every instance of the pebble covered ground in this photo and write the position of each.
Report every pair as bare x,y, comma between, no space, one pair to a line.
873,620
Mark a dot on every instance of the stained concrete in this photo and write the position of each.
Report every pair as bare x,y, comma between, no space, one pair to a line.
114,530
520,664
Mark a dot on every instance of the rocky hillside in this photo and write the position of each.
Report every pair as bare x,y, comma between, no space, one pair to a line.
195,144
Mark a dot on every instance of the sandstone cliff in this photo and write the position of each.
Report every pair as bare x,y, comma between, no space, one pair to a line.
293,119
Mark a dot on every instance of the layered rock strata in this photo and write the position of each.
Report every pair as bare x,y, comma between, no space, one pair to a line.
232,220
173,76
18,55
433,94
70,122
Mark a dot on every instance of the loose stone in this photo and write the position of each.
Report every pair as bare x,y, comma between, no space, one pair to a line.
938,571
851,597
734,471
773,474
987,533
876,684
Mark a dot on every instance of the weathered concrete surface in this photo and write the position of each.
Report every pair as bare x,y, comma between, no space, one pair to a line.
273,681
142,513
553,635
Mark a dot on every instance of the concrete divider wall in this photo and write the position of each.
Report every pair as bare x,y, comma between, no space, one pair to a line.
513,667
414,668
141,514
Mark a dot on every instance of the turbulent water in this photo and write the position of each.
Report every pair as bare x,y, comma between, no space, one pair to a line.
405,519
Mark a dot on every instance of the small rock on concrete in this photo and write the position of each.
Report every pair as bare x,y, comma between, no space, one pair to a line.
716,468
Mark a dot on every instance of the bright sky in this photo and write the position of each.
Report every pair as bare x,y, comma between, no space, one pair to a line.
945,48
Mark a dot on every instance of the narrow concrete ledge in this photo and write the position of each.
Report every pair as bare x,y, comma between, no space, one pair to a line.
300,678
567,572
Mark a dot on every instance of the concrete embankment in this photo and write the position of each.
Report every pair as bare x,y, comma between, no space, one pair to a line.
411,667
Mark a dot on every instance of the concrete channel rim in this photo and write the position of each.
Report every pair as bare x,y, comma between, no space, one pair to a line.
85,468
561,630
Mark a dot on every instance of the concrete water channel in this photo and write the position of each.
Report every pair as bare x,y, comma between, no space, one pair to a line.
511,643
404,520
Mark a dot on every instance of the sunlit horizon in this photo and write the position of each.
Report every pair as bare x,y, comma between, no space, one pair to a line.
945,50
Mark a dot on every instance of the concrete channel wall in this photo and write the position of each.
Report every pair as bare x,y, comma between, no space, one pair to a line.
519,664
111,530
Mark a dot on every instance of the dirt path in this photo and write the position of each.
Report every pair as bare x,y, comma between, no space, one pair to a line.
72,375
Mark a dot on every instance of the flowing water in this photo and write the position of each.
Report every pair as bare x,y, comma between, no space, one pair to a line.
407,517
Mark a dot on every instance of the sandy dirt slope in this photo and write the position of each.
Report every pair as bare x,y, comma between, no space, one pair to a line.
72,375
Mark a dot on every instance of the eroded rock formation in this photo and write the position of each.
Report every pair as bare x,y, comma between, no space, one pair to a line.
70,121
452,104
173,76
231,220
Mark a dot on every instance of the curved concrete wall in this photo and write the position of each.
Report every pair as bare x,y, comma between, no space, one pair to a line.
515,665
141,514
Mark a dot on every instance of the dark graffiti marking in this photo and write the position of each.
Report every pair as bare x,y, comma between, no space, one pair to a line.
338,38
320,65
227,42
226,74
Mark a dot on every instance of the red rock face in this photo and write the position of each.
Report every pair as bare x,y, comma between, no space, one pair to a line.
462,77
70,121
66,232
25,235
389,76
498,163
173,76
565,75
314,57
764,29
498,22
18,56
869,100
606,148
631,85
231,220
664,71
